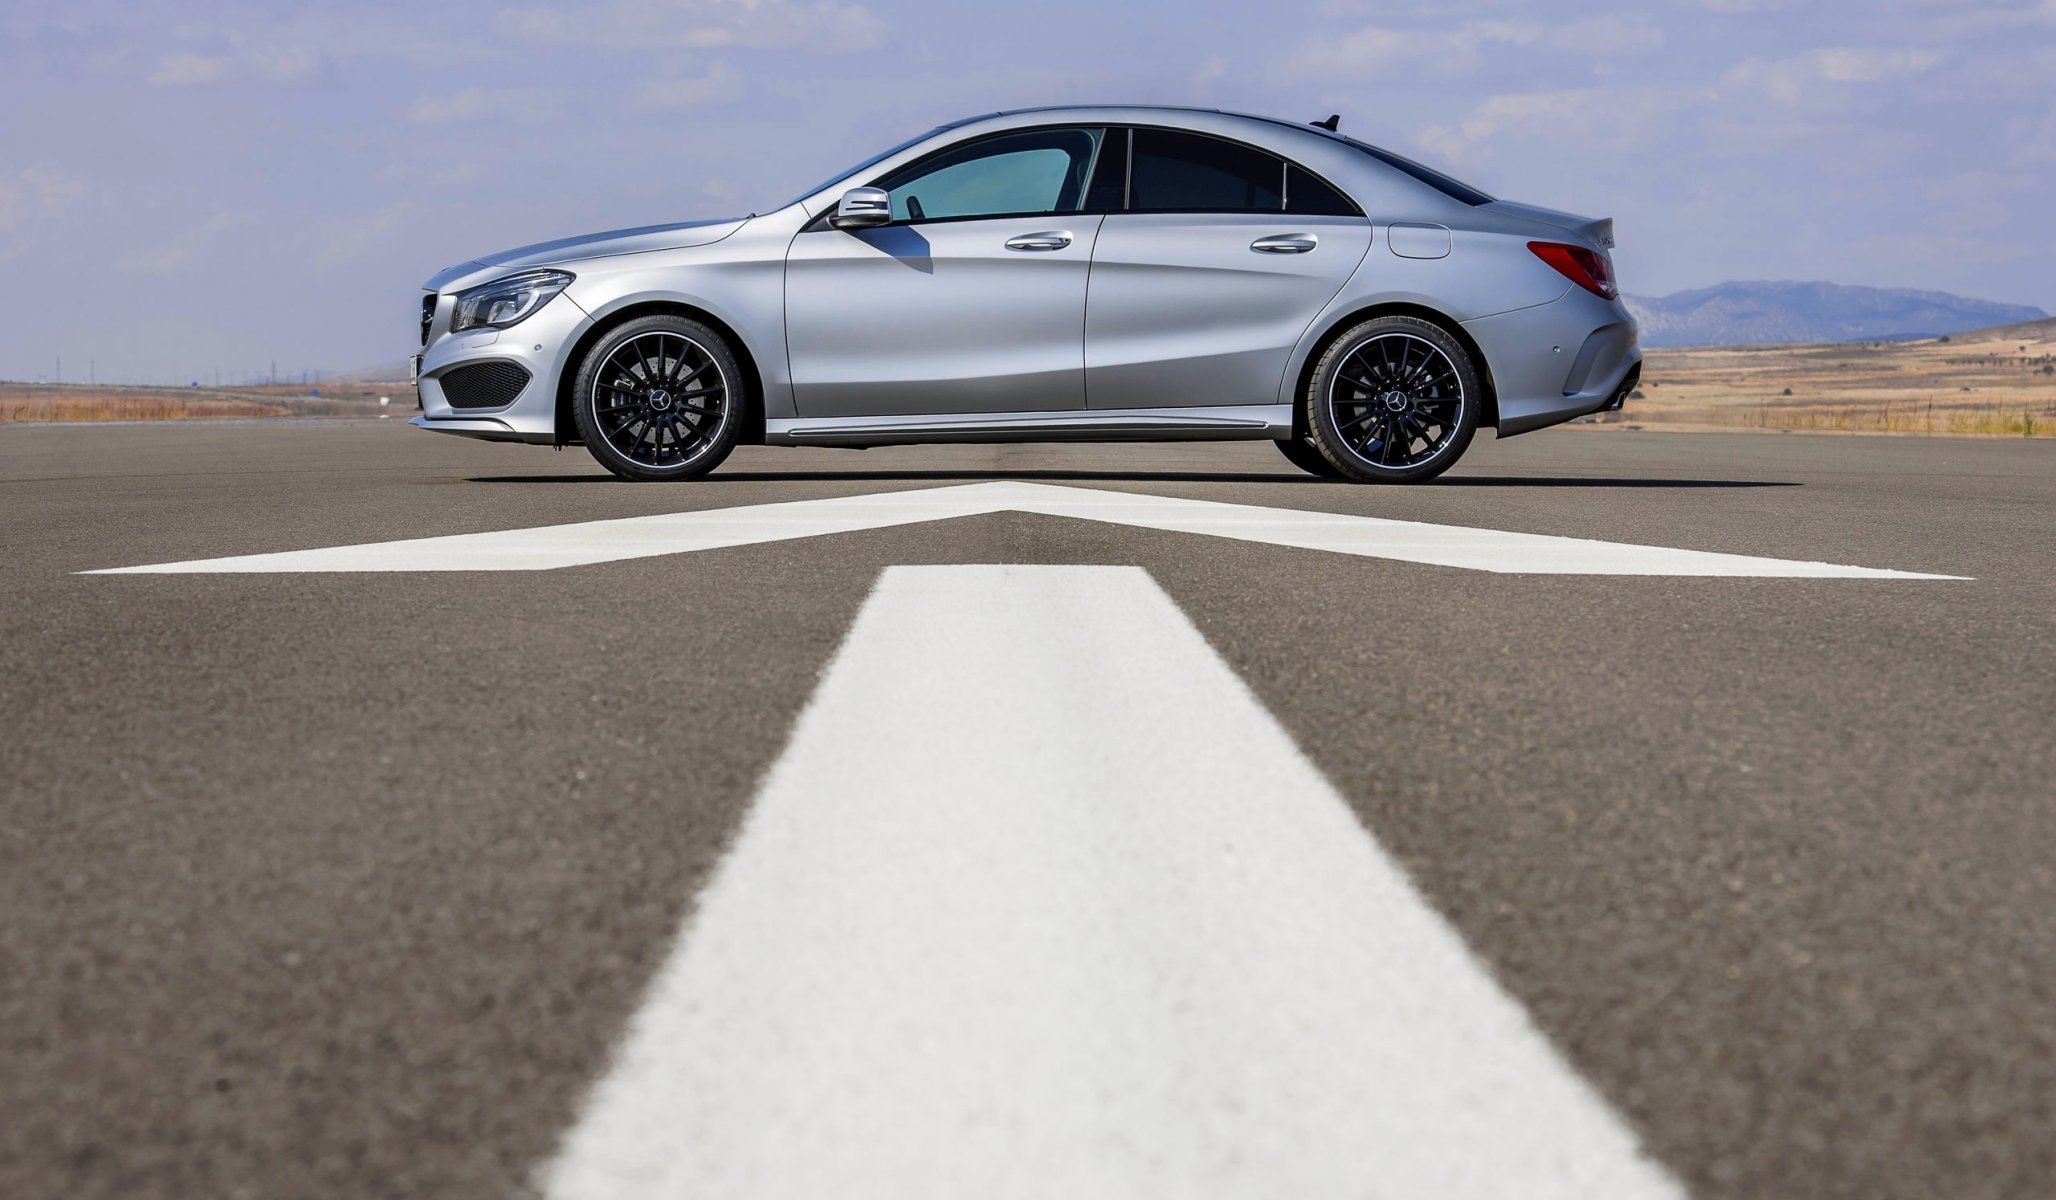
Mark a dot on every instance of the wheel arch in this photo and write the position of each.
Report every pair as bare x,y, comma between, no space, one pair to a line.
1488,413
752,432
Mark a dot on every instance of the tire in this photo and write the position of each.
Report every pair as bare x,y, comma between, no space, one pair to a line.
659,397
1393,400
1302,453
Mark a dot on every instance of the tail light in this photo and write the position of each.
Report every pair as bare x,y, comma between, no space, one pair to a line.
1588,269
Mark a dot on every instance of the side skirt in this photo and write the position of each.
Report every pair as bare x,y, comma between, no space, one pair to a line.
1224,423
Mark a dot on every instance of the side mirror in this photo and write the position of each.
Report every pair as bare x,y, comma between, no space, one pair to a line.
862,208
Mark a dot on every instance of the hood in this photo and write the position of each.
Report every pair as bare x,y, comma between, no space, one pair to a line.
1599,230
593,245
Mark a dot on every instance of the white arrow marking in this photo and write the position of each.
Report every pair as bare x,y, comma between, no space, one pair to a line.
1040,901
554,546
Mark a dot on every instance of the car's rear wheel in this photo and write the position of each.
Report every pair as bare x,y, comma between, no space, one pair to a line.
1303,454
660,397
1393,400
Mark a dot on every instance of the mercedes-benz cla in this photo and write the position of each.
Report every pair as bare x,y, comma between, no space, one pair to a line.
1091,274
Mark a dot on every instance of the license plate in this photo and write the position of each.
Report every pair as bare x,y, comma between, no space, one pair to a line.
414,369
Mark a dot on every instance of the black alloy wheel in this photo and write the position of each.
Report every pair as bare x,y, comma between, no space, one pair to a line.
659,398
1394,400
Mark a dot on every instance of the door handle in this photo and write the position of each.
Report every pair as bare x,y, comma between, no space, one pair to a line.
1285,243
1056,239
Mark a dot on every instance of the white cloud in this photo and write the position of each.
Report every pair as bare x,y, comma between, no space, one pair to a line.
348,240
820,27
723,192
477,104
182,252
719,85
1590,116
32,193
271,64
281,64
53,188
181,69
1608,35
1790,80
1374,49
2033,139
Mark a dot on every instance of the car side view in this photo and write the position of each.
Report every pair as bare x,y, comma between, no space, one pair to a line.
1085,274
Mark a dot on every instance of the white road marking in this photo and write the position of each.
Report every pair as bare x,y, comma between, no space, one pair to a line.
1040,901
554,546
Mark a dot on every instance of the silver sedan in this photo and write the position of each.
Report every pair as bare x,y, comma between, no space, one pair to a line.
1090,274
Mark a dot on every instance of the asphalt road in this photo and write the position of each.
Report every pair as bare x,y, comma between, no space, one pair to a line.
344,884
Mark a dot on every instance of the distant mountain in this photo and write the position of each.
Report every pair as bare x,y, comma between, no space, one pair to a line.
1747,313
2043,330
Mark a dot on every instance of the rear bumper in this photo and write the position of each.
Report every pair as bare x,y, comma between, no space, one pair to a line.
1553,362
1621,390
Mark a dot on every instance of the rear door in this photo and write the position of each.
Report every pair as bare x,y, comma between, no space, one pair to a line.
1209,270
972,300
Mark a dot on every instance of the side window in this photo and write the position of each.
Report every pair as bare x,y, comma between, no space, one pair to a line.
1109,190
1039,171
1309,196
1189,172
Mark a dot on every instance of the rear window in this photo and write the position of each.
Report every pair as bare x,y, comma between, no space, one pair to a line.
1308,195
1187,172
1455,189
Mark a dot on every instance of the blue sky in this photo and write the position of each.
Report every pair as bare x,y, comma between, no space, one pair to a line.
186,187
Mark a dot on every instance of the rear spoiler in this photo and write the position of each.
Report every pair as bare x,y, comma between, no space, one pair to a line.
1598,229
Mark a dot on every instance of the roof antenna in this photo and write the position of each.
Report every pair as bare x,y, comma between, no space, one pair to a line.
1334,119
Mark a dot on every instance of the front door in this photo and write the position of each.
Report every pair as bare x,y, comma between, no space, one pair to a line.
972,300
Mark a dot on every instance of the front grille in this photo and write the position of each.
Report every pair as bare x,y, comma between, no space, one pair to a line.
484,385
427,315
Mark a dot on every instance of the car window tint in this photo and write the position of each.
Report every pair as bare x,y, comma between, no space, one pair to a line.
1109,190
1187,172
1306,194
1455,189
1040,171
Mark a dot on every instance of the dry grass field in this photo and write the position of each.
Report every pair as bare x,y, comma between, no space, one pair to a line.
105,402
1990,382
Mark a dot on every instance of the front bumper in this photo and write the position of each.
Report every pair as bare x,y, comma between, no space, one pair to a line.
1550,363
485,429
541,346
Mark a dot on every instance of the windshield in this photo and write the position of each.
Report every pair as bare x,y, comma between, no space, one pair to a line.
868,163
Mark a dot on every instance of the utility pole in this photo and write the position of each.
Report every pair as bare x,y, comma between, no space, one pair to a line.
60,370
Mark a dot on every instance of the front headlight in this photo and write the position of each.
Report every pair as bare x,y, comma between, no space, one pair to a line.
505,302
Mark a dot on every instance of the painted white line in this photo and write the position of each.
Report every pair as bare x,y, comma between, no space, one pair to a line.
554,546
1040,902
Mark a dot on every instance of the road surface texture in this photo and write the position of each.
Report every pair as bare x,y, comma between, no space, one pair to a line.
384,883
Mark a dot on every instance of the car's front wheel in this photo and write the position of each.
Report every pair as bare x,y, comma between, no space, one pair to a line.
1393,400
660,397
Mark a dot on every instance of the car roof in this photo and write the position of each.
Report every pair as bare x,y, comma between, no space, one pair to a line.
1153,110
1372,184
